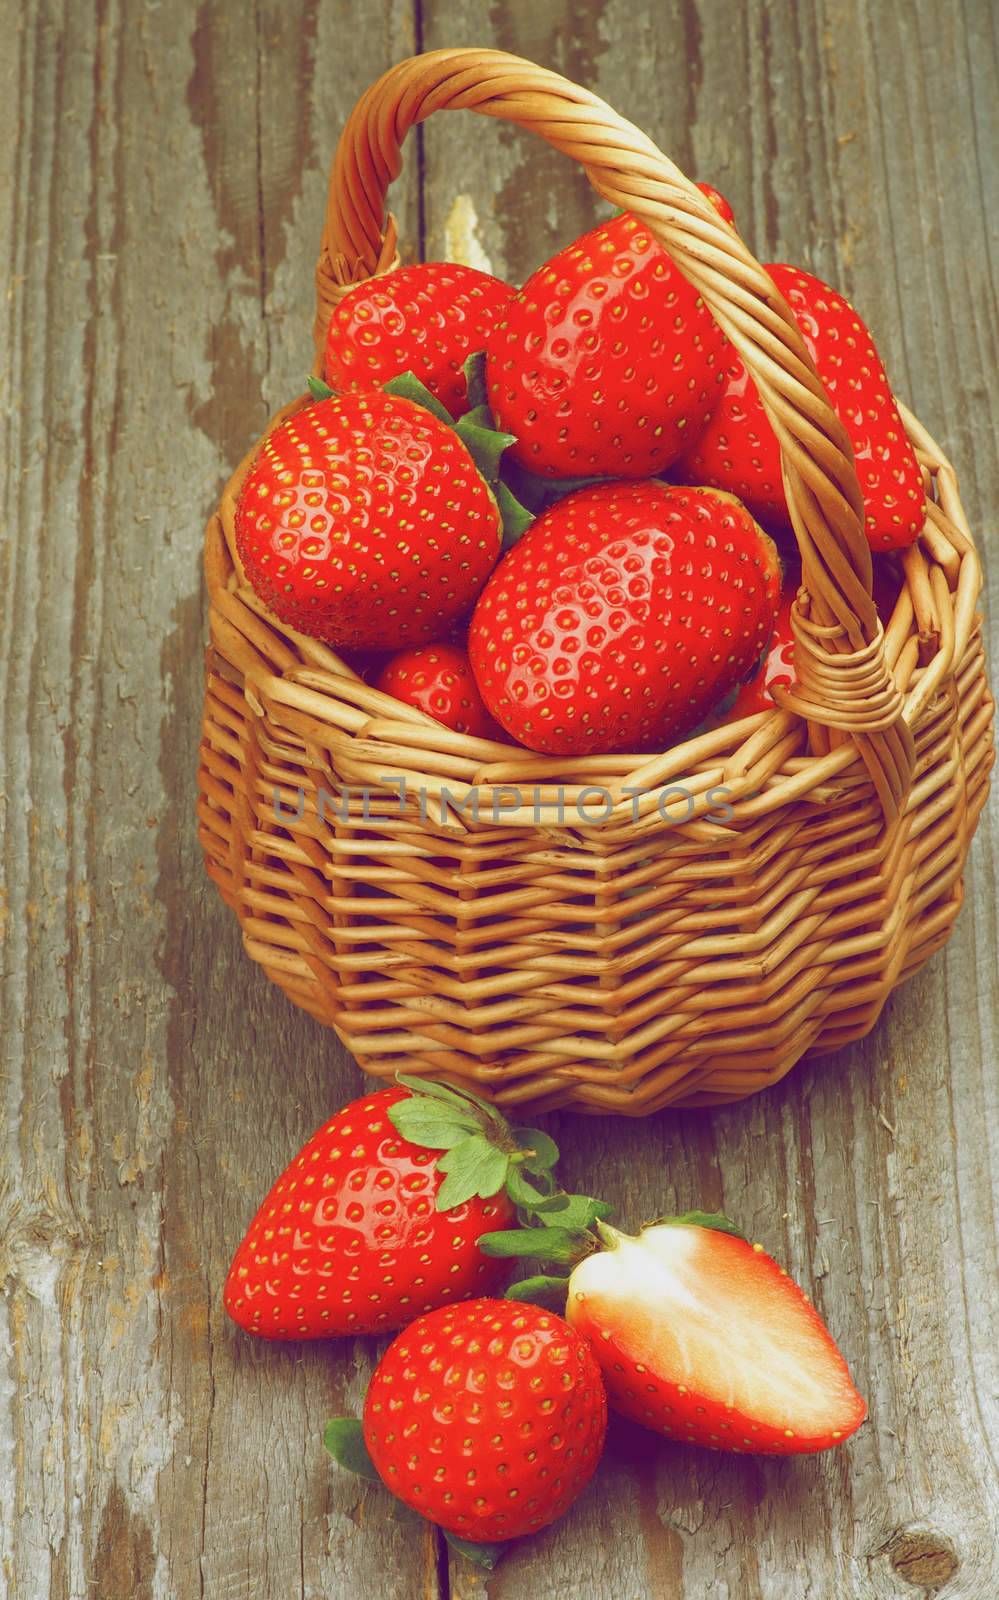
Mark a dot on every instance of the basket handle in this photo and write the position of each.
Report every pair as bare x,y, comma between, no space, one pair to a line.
845,688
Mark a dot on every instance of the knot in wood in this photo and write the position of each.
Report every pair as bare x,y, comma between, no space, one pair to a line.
922,1557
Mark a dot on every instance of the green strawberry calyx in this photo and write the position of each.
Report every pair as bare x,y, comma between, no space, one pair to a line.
714,1220
481,1154
344,1439
571,1228
476,430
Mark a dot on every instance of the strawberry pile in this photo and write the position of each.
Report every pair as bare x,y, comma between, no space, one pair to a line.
556,515
407,1213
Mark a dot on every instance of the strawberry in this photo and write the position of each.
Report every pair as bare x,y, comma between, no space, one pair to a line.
703,1337
606,360
887,586
738,449
437,678
622,616
488,1417
365,522
775,667
719,202
363,1231
426,319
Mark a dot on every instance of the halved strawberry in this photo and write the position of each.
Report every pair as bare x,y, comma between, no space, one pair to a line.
703,1337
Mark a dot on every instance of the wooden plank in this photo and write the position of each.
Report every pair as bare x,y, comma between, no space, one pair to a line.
855,139
168,179
167,169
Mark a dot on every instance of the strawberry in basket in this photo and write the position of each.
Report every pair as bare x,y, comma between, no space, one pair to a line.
738,449
606,361
719,202
775,668
426,319
366,521
438,679
623,616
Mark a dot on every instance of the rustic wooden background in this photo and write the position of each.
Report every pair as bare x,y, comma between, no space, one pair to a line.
163,177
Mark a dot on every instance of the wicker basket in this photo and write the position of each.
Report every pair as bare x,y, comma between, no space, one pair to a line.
465,909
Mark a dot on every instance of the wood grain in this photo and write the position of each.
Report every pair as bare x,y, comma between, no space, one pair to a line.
162,188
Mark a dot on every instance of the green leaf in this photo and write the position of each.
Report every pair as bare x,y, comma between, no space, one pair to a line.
488,1109
432,1133
437,1124
473,1167
344,1439
447,1091
544,1150
485,445
541,1290
705,1219
537,491
408,387
522,1192
515,517
475,378
429,1086
538,1244
484,1555
318,389
574,1210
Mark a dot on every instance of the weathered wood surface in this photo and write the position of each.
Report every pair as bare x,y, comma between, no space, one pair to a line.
163,175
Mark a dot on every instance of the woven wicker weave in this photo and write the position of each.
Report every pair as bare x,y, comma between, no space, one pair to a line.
678,946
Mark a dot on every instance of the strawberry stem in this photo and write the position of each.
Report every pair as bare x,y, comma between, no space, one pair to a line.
610,1237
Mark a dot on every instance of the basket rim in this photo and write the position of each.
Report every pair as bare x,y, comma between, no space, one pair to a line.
366,737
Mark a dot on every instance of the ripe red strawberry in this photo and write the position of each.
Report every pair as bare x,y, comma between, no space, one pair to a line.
776,667
437,678
364,522
701,1336
606,361
351,1239
738,449
487,1417
719,202
622,616
425,319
